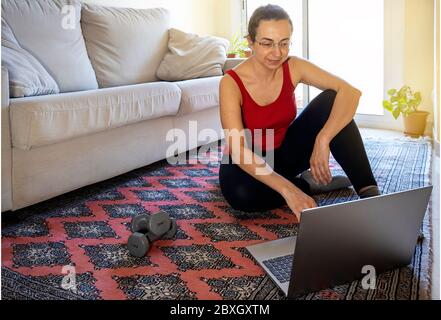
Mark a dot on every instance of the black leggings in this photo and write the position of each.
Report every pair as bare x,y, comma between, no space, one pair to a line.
243,192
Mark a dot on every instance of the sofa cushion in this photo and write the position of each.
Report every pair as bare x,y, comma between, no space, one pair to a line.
27,77
50,30
191,56
42,120
125,45
199,94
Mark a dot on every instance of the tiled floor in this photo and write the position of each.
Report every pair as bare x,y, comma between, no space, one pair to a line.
435,208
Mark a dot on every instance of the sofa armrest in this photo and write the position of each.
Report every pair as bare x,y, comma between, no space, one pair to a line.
6,145
231,63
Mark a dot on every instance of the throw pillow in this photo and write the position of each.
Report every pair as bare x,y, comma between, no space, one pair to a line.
125,45
50,30
27,77
191,56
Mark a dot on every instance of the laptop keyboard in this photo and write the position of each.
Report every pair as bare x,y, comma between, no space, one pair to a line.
280,267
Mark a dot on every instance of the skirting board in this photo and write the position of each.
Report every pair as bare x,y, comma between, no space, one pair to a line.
436,147
435,143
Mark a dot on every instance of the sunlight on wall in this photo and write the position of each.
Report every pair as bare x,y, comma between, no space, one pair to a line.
227,17
419,52
437,41
194,16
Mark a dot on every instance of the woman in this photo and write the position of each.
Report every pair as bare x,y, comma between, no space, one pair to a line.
259,94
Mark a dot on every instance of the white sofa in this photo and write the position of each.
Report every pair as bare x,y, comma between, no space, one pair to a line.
52,144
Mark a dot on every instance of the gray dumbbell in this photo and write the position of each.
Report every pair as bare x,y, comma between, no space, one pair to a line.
140,223
149,228
172,231
138,244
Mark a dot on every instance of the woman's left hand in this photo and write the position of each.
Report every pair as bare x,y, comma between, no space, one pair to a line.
319,161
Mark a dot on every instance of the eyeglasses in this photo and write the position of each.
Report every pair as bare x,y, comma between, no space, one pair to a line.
283,45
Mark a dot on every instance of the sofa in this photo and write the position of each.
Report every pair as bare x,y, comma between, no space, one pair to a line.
94,128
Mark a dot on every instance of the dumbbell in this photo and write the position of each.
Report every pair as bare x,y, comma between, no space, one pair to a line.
148,228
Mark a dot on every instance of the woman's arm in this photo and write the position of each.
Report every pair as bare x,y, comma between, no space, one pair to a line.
343,111
346,100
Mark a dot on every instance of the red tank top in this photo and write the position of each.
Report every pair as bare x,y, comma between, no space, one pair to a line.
277,115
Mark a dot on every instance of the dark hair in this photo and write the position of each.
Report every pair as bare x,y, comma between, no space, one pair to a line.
268,12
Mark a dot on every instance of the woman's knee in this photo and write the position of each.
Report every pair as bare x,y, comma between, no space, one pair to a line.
238,197
329,93
325,100
244,193
317,112
234,192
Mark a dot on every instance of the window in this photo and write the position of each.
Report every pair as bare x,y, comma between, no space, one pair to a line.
344,37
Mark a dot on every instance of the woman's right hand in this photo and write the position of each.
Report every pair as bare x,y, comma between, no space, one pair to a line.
297,200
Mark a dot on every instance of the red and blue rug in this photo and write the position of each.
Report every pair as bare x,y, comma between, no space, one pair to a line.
85,231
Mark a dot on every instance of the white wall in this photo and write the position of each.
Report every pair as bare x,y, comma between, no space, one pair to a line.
228,17
419,53
437,80
194,16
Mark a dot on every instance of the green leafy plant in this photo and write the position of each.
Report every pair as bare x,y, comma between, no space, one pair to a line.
402,101
238,45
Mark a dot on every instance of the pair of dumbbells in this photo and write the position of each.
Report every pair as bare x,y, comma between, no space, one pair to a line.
148,228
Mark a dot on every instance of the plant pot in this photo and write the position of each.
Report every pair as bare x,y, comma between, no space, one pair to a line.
415,123
231,55
248,53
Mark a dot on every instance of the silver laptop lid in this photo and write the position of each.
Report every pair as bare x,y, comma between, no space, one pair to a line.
335,242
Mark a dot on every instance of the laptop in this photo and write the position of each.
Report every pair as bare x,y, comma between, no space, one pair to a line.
335,242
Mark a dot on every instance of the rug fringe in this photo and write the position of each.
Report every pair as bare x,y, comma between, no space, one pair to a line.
400,138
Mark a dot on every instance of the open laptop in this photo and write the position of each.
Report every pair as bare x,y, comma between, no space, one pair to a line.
336,241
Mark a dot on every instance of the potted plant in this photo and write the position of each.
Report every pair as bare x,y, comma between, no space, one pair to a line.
406,102
238,47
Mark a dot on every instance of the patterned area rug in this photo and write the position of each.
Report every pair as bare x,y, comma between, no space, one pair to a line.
85,232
